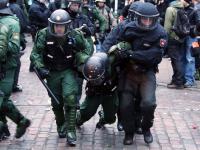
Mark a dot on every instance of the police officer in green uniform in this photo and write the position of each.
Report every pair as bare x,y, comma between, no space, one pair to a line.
101,89
94,15
57,54
9,50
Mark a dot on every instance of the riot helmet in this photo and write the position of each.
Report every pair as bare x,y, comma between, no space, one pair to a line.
59,23
132,8
4,9
94,69
74,7
146,16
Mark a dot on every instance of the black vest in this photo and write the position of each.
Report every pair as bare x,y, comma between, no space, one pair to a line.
58,57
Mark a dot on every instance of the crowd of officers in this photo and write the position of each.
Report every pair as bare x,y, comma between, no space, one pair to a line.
82,39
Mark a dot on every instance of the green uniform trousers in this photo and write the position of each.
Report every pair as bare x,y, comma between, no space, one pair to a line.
65,88
91,103
7,107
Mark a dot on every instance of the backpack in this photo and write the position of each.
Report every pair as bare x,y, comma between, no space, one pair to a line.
181,24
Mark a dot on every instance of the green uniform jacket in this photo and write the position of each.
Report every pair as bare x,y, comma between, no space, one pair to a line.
9,41
97,16
170,17
82,46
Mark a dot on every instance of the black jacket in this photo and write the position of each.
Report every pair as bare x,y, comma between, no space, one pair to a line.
39,14
147,47
23,20
79,20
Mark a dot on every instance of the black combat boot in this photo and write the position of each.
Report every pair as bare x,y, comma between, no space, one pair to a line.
21,127
71,138
119,126
148,138
128,140
100,124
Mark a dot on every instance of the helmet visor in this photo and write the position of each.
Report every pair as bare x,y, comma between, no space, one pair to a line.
58,29
146,22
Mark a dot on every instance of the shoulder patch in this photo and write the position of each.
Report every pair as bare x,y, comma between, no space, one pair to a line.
163,43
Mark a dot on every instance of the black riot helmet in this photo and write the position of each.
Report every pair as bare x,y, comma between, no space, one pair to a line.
132,9
4,9
94,69
59,23
146,16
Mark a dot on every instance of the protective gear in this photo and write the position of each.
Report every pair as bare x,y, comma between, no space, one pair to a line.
4,8
59,17
95,68
103,1
132,9
71,138
44,73
21,127
146,16
59,54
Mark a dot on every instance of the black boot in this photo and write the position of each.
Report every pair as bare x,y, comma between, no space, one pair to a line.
148,138
119,126
6,131
71,138
61,131
101,122
21,127
128,140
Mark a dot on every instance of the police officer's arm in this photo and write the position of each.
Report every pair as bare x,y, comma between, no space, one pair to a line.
113,37
3,42
102,20
82,47
38,49
14,39
151,56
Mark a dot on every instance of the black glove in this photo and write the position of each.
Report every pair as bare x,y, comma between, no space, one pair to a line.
43,72
124,54
86,30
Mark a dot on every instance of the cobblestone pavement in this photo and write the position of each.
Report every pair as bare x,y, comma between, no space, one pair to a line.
176,126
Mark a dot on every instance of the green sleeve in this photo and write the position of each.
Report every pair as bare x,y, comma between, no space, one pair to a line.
14,36
82,47
38,49
169,19
3,42
102,20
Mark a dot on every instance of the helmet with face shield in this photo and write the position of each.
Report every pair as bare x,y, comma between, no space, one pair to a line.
94,69
146,16
59,22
